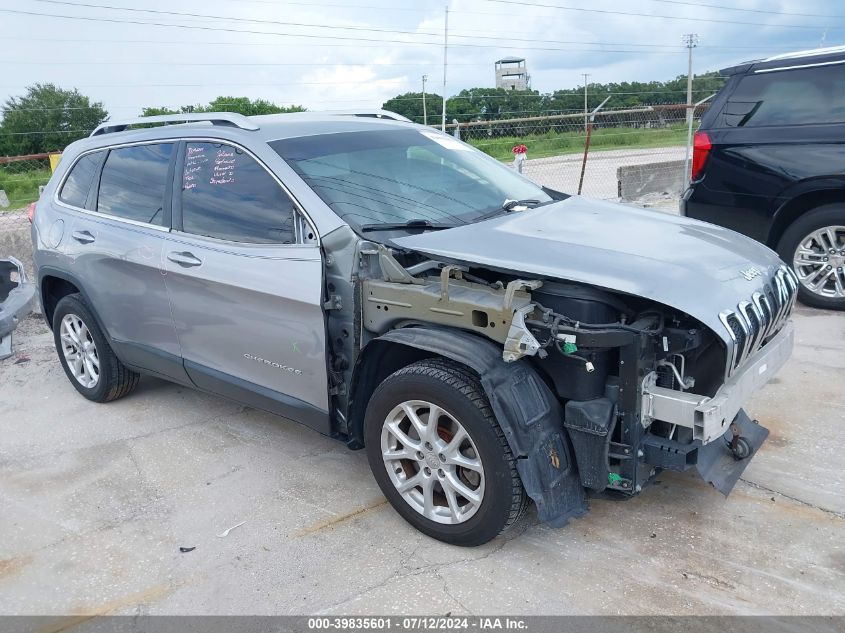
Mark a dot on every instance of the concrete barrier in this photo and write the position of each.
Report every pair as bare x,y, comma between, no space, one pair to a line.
636,181
15,238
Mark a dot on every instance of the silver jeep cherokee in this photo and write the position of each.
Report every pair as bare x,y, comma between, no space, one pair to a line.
485,339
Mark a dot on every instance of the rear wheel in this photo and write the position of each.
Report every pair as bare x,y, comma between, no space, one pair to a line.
815,247
85,354
439,455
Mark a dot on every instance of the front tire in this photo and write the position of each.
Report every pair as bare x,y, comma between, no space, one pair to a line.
814,245
439,455
85,354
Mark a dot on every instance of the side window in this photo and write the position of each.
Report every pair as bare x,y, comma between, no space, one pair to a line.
75,190
134,181
792,97
227,195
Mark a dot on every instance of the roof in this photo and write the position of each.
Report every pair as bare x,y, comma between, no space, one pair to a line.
510,60
264,128
784,61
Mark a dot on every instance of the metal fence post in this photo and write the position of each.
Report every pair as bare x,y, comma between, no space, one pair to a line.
589,131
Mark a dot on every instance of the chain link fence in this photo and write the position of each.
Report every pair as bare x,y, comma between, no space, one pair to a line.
21,178
629,154
632,154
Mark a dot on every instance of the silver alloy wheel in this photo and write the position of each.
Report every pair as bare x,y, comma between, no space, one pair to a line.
80,351
819,262
432,462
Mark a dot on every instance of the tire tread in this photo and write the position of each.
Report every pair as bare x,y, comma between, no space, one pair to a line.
119,379
466,382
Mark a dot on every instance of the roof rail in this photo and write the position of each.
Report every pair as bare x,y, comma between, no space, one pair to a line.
230,119
813,52
374,114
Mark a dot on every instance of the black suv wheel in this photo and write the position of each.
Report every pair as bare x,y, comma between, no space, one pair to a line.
815,247
439,455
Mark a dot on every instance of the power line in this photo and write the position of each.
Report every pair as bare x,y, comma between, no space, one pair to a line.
327,26
652,15
208,28
279,44
228,18
700,5
329,37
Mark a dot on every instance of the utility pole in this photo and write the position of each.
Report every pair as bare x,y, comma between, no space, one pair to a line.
585,76
425,114
690,41
445,50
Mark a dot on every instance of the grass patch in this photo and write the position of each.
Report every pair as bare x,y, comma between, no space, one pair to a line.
555,143
21,185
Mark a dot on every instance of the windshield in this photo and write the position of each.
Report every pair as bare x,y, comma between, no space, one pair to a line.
401,175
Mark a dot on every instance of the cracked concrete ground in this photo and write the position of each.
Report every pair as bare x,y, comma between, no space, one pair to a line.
96,500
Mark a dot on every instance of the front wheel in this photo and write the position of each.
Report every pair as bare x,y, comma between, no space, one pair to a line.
439,455
815,247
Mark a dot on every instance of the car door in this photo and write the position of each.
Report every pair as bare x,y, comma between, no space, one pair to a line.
245,282
116,251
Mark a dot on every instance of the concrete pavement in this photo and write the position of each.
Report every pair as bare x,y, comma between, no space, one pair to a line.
96,500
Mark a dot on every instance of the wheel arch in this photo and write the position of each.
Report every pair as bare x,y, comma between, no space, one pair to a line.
527,411
797,206
56,284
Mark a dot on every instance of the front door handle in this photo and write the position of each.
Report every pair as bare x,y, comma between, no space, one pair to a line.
184,259
83,237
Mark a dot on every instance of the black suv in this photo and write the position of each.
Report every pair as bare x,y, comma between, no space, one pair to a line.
769,162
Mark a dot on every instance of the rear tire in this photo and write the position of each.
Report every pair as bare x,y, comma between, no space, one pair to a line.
809,245
85,354
409,458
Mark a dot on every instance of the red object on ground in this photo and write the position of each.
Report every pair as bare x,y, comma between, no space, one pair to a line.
520,149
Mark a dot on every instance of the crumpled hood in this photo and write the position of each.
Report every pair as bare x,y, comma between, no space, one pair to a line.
689,265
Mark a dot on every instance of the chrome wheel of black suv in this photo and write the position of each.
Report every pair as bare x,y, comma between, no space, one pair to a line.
815,246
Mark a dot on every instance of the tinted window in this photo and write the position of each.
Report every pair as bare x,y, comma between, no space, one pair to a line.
793,97
78,183
133,182
226,194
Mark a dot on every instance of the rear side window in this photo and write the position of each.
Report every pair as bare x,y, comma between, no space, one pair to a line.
228,195
791,97
134,181
75,190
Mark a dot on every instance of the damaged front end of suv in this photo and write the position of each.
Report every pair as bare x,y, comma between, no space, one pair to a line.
603,366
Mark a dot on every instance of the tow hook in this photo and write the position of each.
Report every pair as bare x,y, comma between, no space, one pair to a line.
740,447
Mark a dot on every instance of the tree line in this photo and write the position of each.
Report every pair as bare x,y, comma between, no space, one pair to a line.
47,118
485,104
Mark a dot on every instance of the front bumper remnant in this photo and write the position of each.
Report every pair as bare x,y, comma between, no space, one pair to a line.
16,299
717,462
710,418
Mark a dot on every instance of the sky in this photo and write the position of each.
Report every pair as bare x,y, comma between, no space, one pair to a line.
355,54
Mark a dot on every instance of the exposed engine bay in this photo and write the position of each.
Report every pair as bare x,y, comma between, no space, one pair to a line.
640,385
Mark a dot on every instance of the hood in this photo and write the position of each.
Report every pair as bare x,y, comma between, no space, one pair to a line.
692,266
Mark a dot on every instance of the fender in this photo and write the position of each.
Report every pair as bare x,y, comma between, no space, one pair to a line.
822,190
526,409
49,271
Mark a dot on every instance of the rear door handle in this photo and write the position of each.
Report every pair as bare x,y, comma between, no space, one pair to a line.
83,237
184,259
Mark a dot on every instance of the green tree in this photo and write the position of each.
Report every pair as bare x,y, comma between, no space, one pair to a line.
410,105
46,119
493,103
241,105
